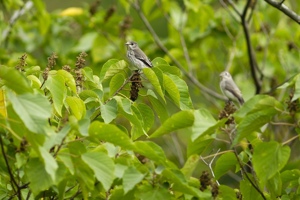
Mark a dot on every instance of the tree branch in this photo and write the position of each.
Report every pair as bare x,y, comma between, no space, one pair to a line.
16,190
283,8
210,163
136,6
251,54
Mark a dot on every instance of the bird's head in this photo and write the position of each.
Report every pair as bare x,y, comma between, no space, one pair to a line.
225,75
131,45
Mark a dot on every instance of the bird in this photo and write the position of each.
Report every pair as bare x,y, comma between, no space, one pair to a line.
136,56
230,89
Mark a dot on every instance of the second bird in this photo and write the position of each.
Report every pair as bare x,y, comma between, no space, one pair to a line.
230,89
136,56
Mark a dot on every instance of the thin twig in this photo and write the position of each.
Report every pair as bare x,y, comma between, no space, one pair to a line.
230,13
283,8
136,6
283,124
210,163
291,139
216,154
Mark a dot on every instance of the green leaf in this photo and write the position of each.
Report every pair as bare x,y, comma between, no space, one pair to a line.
147,116
225,163
110,133
109,111
131,177
49,162
154,78
56,85
158,107
85,42
290,178
185,100
172,90
105,67
274,186
77,107
269,158
148,192
227,193
159,61
69,80
180,184
204,124
114,68
151,151
248,191
167,69
177,121
34,170
199,145
190,165
102,165
14,80
255,113
116,83
297,88
33,109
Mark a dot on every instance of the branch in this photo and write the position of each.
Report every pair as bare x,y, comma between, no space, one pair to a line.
210,163
283,8
17,191
136,6
251,54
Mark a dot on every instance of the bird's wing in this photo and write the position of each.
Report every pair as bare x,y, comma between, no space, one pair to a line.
234,90
140,55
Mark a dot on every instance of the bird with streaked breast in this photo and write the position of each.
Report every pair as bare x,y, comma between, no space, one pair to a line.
136,56
230,89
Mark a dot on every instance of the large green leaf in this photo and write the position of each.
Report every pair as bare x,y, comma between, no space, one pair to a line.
115,83
14,80
109,111
180,184
199,145
269,158
190,165
255,113
248,191
110,133
148,192
227,193
158,107
105,67
225,163
49,162
102,165
204,124
147,115
56,85
131,177
182,119
172,90
69,80
37,176
114,69
151,151
77,107
33,109
154,78
185,100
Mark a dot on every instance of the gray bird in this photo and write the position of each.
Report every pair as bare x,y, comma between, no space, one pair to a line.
136,56
230,89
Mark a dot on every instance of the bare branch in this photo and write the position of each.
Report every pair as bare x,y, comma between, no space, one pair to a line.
251,54
204,89
291,139
210,163
283,8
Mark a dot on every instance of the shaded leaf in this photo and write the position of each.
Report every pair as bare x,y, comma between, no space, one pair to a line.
225,163
177,121
131,177
154,80
109,111
77,107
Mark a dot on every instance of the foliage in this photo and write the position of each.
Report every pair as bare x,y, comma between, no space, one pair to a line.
70,128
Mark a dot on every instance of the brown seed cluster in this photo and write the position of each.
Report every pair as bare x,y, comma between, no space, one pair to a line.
136,84
206,182
227,112
79,78
22,63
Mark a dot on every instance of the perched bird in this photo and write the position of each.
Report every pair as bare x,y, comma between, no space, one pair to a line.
229,88
136,56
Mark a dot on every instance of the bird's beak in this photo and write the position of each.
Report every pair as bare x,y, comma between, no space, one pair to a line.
127,43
